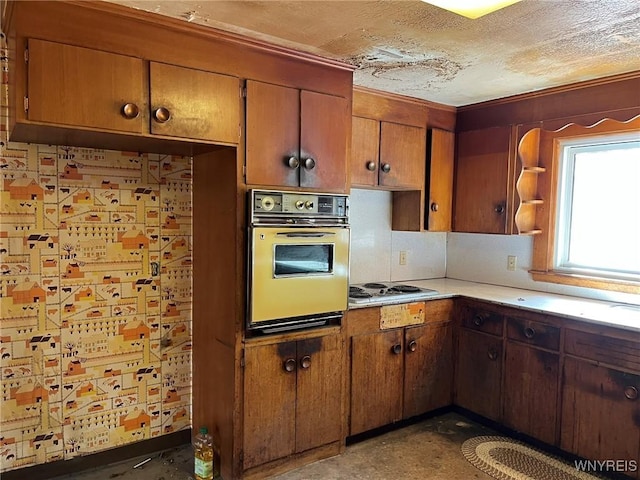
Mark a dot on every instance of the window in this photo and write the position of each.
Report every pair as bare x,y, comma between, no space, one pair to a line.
587,221
598,210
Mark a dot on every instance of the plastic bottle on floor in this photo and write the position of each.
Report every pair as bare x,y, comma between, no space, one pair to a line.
203,453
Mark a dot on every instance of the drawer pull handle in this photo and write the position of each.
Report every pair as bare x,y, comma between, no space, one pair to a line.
492,353
292,163
413,345
289,365
396,349
478,320
529,333
305,362
130,111
309,164
631,392
162,115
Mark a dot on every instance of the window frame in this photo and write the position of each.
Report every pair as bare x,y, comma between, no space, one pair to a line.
551,146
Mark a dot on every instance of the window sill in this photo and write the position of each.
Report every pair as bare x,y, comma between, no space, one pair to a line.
585,281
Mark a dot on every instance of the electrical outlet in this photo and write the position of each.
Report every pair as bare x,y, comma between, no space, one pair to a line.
511,263
403,257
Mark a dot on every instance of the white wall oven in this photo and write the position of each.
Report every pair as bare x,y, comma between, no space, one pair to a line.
298,259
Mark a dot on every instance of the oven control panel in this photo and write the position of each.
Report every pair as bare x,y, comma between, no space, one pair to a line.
292,206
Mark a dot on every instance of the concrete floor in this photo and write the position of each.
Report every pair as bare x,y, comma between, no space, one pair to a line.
429,450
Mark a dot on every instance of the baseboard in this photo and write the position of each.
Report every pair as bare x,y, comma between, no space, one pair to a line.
395,426
45,471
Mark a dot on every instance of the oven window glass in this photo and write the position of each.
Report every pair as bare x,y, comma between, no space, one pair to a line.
316,259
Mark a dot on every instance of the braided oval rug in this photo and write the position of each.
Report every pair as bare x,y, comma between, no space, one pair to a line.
507,459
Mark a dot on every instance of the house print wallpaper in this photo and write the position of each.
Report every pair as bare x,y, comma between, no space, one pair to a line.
95,284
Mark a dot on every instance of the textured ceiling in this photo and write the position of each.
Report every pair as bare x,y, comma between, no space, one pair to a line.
413,48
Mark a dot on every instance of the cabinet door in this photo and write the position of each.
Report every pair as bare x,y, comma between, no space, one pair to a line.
479,372
325,128
403,148
376,380
269,403
365,146
201,105
273,134
600,412
440,184
319,414
531,391
484,176
83,87
428,368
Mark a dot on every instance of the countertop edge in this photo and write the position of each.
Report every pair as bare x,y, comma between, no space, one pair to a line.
578,309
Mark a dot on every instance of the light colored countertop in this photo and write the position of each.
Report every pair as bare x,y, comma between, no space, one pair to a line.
619,315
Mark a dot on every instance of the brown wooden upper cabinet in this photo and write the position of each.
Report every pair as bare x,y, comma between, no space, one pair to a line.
194,104
484,181
387,154
77,86
90,89
296,138
438,211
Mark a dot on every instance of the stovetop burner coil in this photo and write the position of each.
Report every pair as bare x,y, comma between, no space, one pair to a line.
374,285
405,288
357,292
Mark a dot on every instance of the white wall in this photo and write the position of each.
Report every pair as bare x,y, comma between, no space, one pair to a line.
483,258
375,249
375,252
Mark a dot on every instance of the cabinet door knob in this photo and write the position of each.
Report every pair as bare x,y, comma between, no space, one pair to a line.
413,345
529,332
309,164
396,349
631,392
385,167
161,115
434,207
293,162
305,362
371,166
478,320
499,209
289,365
130,111
492,353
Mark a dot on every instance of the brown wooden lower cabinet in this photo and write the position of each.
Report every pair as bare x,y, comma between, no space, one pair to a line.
292,398
479,373
400,373
600,412
428,368
376,380
531,391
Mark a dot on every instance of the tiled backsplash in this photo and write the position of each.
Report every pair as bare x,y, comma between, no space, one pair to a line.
375,252
375,249
95,263
483,258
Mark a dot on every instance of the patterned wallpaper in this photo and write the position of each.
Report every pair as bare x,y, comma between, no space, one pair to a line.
95,285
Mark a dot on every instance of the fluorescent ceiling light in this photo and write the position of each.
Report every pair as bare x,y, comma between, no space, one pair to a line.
471,8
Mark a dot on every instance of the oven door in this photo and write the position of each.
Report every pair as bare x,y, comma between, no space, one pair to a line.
297,272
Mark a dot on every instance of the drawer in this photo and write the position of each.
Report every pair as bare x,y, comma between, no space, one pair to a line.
614,351
482,320
533,333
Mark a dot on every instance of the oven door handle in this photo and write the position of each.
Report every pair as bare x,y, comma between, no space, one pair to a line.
305,234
